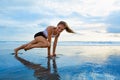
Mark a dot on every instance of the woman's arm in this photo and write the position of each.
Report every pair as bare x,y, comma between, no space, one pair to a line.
55,44
49,29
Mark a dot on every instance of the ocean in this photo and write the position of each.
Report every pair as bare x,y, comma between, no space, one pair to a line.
75,60
12,44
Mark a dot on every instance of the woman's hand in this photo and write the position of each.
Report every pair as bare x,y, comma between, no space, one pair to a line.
53,54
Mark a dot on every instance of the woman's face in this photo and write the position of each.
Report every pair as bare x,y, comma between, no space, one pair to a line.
60,28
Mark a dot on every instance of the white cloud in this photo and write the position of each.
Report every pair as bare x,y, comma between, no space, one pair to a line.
99,7
84,7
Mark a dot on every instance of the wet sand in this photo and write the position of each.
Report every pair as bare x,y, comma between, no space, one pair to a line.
71,63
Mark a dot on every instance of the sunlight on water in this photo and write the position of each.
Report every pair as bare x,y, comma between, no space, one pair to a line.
92,62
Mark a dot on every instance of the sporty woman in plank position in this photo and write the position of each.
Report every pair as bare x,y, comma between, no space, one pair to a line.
42,39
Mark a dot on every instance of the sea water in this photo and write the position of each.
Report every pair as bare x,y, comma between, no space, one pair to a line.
74,61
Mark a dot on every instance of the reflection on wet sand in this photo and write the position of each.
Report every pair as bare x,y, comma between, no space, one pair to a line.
40,72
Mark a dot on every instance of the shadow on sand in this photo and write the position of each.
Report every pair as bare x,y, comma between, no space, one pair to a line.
40,72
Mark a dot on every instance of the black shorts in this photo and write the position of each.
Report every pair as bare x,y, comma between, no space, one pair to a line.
40,34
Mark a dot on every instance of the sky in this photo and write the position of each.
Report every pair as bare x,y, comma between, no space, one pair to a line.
92,20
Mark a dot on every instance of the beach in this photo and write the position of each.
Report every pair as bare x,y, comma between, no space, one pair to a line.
73,62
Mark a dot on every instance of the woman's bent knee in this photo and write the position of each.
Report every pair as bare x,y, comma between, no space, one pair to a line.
47,44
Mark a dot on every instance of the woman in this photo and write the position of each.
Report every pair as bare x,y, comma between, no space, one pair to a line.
43,39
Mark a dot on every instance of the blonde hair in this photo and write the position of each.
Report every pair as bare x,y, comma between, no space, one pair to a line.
66,26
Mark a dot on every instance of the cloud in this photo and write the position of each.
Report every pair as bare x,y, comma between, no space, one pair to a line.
89,7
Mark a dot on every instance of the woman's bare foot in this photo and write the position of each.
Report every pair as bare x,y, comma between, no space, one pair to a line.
16,52
26,48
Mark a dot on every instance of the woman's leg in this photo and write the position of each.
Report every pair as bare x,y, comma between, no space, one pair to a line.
39,45
41,42
29,44
23,46
19,48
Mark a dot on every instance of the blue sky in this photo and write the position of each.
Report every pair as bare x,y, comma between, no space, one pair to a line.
93,20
